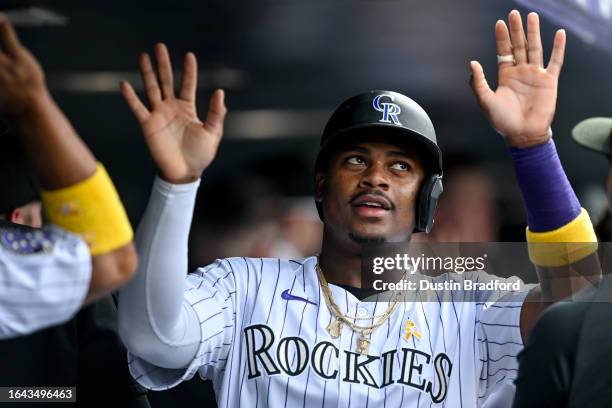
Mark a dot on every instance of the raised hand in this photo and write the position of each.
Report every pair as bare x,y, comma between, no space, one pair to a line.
22,80
181,144
523,105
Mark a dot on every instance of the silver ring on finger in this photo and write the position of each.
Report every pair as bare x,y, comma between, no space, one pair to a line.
506,58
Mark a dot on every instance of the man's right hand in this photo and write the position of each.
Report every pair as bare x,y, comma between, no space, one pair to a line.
181,144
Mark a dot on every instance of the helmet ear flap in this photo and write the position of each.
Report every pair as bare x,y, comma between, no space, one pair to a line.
427,202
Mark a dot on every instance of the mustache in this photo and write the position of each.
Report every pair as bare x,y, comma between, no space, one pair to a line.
373,192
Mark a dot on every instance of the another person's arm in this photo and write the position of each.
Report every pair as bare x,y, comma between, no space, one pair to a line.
63,162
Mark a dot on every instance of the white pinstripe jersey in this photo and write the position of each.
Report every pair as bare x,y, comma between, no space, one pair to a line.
44,278
262,348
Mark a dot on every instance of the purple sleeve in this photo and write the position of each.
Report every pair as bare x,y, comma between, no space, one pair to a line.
549,198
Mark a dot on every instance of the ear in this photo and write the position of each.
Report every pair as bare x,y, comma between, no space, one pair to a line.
319,186
15,216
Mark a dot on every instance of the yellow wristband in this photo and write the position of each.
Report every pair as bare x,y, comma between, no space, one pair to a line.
91,208
565,245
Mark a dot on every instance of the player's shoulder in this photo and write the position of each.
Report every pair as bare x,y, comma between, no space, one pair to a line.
20,244
556,334
23,240
251,264
562,319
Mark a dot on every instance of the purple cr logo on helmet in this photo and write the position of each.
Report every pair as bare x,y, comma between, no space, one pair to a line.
388,109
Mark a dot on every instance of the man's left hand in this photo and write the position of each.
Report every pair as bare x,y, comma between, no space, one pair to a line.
523,106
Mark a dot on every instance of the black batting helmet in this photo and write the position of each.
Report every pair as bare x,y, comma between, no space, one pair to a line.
397,112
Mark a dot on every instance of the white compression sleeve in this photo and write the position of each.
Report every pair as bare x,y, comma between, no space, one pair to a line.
155,322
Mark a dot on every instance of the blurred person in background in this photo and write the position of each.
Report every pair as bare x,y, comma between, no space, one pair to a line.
255,213
594,134
243,218
467,210
300,230
48,274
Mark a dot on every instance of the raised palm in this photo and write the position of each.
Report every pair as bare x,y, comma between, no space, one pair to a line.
181,144
523,105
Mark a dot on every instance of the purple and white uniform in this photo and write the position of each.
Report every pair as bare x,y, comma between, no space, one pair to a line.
257,328
44,278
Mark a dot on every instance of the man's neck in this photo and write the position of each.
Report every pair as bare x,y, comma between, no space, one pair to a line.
341,261
341,270
339,266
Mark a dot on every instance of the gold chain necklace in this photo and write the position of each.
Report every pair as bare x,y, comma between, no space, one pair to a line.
335,327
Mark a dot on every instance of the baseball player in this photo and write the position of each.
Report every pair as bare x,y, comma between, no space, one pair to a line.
46,275
296,332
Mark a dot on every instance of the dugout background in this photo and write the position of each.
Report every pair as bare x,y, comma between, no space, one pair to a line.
285,66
